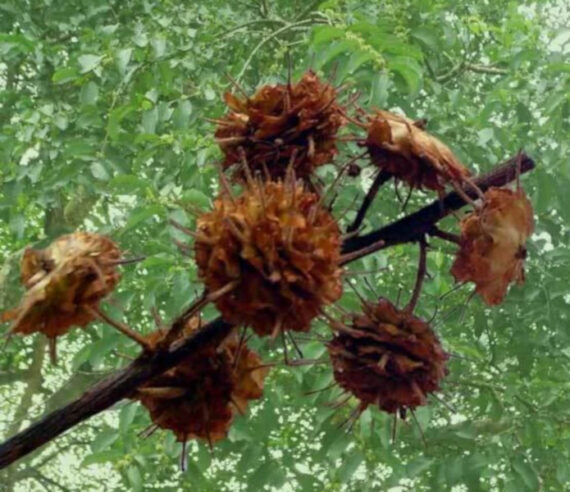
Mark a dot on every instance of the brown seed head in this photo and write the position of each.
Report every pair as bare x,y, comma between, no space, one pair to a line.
283,249
493,243
280,123
397,145
387,357
73,273
198,397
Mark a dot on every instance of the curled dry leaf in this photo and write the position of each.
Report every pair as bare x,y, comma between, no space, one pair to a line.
279,124
387,357
493,243
399,146
281,246
64,281
198,397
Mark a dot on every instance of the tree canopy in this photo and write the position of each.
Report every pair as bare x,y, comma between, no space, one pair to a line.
104,127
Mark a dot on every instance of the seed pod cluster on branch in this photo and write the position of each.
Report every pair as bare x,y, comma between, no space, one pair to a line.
65,283
269,256
387,357
281,246
493,243
281,125
401,147
198,397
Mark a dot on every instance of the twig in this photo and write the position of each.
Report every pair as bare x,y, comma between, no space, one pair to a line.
379,180
419,278
266,39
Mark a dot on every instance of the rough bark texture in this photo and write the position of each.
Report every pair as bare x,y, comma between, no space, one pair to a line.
119,385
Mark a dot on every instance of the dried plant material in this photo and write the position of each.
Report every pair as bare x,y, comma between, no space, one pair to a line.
64,283
280,124
198,398
281,246
387,357
492,250
397,145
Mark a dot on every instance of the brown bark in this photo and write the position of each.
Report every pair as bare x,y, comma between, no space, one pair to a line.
121,384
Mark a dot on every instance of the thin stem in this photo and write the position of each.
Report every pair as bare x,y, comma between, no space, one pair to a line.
268,38
379,180
193,309
124,329
419,278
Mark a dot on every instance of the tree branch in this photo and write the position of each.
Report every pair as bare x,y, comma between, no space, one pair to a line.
415,225
379,180
121,384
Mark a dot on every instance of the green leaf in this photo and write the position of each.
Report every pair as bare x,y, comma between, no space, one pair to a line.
526,472
325,34
99,171
379,90
135,478
106,456
63,75
181,115
104,439
197,198
150,120
418,466
87,63
89,93
409,70
128,184
122,59
334,50
142,214
349,465
126,417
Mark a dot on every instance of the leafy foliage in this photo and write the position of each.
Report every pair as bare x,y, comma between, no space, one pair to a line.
102,128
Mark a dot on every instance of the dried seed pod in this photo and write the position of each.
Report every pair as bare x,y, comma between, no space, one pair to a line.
493,243
279,124
198,397
387,357
282,249
64,282
398,145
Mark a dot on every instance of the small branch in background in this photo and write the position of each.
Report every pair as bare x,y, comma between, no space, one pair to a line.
379,180
249,24
312,6
12,377
268,38
463,66
474,67
264,7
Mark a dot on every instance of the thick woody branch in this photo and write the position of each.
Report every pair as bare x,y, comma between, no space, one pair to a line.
416,225
121,384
